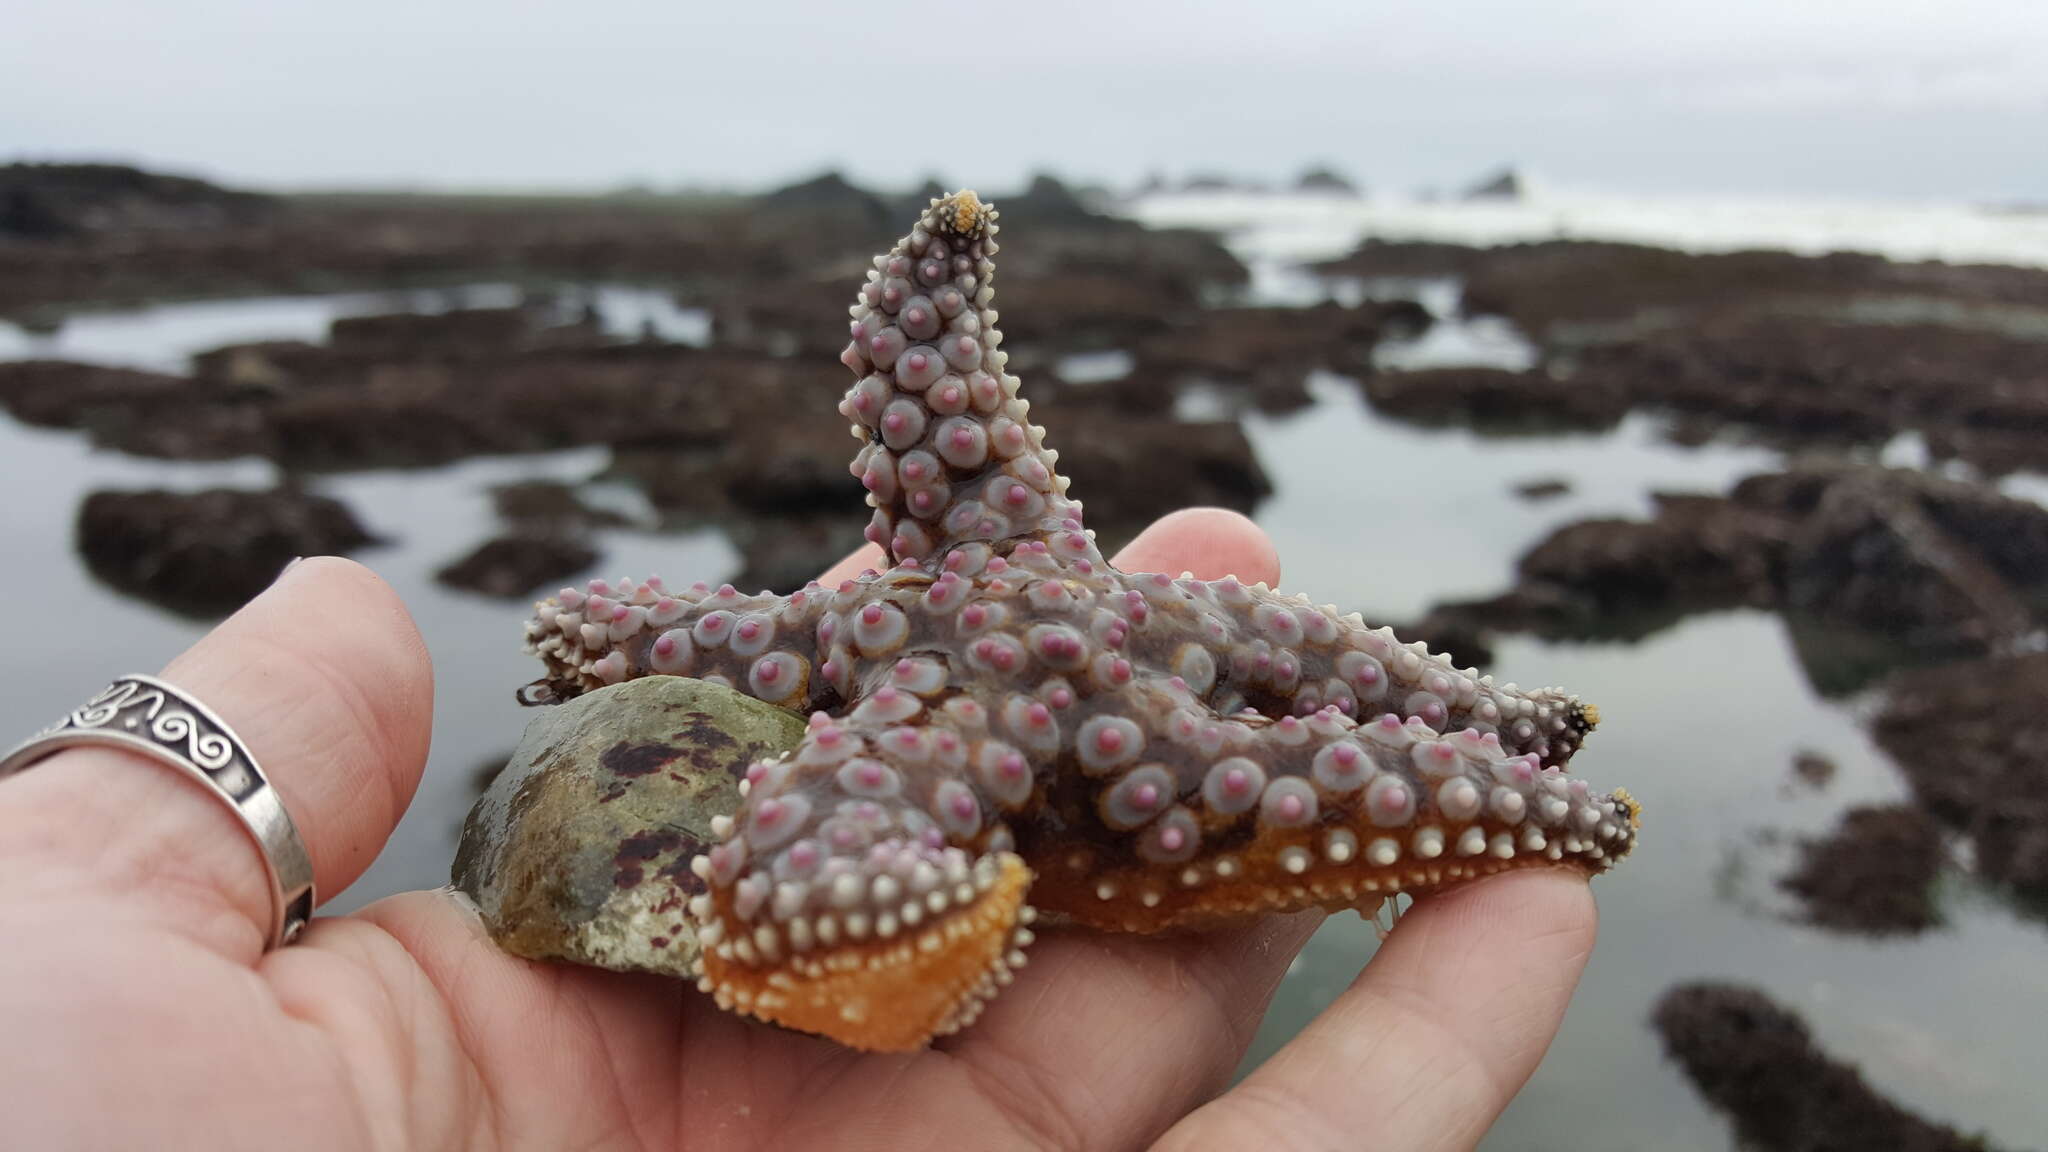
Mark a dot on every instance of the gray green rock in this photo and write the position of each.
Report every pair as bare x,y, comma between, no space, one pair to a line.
580,850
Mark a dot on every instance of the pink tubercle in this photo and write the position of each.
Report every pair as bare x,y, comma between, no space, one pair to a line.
829,669
1038,715
1012,766
964,806
1172,838
1291,808
665,647
870,775
1345,754
769,812
749,629
769,672
1109,741
1145,796
973,615
1060,698
1237,781
872,614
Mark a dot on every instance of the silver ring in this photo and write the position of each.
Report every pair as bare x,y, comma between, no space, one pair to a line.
146,715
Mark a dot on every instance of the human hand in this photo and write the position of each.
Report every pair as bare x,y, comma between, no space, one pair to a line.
137,1008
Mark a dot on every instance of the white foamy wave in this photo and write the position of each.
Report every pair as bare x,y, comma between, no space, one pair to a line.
1289,227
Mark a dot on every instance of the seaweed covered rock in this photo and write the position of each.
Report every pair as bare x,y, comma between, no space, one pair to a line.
1972,739
581,848
1494,400
1873,874
1755,1061
206,553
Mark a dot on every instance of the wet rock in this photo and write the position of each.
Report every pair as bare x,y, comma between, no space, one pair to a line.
460,333
1972,739
1580,288
517,566
1271,351
1874,568
1947,567
551,507
1403,259
1813,769
1496,401
1549,488
1874,874
1135,471
1823,380
1754,1061
581,848
204,554
63,394
786,552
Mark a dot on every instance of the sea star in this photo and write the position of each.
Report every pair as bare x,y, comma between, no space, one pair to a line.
1003,711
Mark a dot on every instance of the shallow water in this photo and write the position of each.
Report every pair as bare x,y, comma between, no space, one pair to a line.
1701,721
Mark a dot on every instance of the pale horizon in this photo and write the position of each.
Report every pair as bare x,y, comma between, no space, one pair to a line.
1900,99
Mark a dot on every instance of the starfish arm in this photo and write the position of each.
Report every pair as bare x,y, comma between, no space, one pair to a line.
1250,647
948,451
867,890
1197,817
764,645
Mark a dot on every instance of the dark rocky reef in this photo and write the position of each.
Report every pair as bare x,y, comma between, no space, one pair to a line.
205,553
1969,738
1755,1062
1838,349
518,565
1873,874
1935,568
1496,401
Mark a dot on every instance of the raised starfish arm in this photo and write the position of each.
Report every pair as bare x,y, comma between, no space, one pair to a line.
950,454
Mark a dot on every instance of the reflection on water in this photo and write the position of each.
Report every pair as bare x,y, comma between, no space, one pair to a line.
1701,721
161,337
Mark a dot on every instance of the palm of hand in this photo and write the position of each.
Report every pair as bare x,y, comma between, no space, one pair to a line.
140,1011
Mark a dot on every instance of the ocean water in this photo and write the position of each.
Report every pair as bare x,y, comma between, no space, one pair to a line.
1700,720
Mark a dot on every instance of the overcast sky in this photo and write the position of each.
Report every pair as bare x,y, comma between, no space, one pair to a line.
1894,98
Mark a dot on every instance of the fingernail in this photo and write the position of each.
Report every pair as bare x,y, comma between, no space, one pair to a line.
289,565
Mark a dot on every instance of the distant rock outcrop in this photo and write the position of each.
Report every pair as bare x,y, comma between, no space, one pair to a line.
1324,180
66,201
1506,184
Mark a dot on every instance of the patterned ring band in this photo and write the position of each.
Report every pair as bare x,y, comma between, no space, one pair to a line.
146,715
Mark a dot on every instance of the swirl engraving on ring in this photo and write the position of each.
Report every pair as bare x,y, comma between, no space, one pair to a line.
209,750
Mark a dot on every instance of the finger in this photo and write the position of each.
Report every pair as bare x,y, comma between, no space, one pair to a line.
326,680
1210,542
1435,1036
861,559
1119,1035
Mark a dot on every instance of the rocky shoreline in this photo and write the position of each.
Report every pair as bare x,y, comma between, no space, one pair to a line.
1928,587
